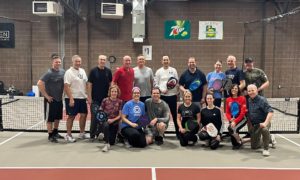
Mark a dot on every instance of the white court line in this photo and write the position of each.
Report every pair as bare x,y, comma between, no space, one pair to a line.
18,134
293,142
153,173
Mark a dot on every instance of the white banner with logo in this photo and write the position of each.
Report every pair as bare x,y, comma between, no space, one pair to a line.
210,30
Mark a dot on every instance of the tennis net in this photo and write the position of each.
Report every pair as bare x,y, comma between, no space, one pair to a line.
24,113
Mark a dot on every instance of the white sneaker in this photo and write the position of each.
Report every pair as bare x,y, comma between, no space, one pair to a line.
273,141
83,136
101,137
70,139
106,148
266,152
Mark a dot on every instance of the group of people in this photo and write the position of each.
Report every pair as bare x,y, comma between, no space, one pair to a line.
139,104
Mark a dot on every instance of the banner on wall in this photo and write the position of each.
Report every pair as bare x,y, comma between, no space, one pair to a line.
177,29
7,35
210,30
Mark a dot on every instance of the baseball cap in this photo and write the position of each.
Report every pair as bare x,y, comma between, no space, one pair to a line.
248,60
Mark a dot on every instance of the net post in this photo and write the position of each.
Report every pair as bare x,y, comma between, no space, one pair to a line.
1,120
298,119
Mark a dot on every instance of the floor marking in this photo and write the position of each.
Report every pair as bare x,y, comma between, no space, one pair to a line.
153,173
20,133
293,142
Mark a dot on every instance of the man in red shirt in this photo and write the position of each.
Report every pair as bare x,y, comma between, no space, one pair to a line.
124,78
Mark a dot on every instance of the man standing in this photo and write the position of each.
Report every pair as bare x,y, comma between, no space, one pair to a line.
159,115
51,85
162,75
255,76
143,78
260,114
98,84
234,73
194,80
75,89
124,78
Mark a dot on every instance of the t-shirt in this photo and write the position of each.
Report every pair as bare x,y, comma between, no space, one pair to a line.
240,102
211,77
77,80
111,107
212,116
134,111
142,79
124,79
236,75
161,78
188,113
159,110
188,78
54,83
100,79
256,76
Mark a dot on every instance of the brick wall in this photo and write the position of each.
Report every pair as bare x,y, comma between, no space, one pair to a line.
278,56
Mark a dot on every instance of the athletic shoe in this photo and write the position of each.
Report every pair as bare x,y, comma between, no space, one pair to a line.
106,148
273,141
159,140
266,152
70,139
101,137
238,146
53,139
58,136
83,136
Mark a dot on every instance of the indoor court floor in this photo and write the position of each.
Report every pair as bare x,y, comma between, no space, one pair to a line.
23,154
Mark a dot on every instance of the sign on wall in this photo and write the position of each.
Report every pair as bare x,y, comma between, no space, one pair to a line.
7,35
177,29
147,52
210,30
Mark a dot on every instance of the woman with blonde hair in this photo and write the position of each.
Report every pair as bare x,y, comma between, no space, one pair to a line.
188,120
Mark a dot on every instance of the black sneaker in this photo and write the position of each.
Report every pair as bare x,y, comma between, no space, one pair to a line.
58,136
238,146
52,139
159,140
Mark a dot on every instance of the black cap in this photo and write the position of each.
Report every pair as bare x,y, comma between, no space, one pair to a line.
248,60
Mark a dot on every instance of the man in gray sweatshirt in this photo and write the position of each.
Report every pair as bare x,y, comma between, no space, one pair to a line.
159,115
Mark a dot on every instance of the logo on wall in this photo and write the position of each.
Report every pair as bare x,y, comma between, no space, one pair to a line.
177,29
7,35
210,30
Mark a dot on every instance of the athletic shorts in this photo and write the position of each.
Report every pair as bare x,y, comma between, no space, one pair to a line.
53,110
80,107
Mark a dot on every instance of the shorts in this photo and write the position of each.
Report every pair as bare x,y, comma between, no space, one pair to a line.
80,107
53,110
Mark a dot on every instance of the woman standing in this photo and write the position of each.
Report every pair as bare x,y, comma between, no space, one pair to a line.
211,78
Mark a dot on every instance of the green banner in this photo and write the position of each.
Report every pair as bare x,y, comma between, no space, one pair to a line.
177,29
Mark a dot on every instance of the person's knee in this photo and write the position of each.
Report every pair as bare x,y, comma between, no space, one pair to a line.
161,126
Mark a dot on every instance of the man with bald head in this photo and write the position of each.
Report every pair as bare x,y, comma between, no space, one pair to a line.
260,115
234,73
99,81
124,78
